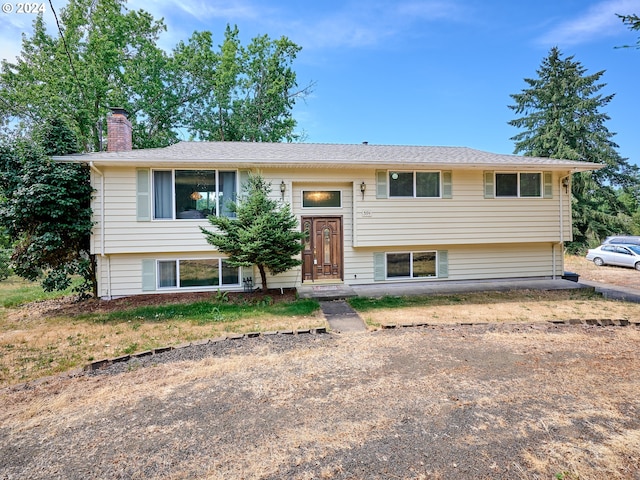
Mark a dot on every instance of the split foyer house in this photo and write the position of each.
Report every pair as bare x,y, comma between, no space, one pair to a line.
373,213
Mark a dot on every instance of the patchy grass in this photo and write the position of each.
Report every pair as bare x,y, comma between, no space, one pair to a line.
15,291
514,306
34,344
207,312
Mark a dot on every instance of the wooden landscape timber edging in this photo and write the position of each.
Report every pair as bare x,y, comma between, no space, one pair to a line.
605,322
234,336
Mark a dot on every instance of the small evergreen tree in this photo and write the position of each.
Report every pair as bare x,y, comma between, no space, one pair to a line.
262,233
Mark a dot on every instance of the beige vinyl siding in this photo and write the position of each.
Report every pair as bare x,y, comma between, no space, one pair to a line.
503,261
484,238
471,262
125,234
468,217
121,275
465,218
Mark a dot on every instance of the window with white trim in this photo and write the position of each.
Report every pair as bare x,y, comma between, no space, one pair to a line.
192,194
524,184
414,184
411,265
215,272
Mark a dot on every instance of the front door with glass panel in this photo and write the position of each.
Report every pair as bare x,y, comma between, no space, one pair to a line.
322,254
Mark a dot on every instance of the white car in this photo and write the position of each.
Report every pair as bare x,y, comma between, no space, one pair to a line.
621,255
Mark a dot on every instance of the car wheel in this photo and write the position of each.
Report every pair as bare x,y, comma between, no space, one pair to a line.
638,266
598,261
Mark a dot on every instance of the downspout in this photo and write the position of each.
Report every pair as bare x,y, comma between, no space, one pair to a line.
93,167
102,227
564,182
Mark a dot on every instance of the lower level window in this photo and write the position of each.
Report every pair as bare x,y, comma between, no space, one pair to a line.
411,265
196,273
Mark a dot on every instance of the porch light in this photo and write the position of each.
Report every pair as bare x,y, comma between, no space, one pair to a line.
283,188
363,188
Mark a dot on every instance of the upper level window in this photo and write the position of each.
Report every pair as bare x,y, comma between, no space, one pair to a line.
414,184
192,194
518,184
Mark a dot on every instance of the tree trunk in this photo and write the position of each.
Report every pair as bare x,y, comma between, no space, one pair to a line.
263,277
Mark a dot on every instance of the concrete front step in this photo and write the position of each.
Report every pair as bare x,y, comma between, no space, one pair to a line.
325,291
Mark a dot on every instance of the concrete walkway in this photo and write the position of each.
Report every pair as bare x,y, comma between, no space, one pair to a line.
341,317
342,291
614,292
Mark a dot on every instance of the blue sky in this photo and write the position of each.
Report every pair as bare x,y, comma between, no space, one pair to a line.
417,72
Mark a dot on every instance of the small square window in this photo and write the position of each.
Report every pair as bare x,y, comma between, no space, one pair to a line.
427,184
424,264
398,265
199,273
401,184
530,184
506,184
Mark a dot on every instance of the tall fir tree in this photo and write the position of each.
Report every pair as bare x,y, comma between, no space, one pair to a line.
260,231
633,22
562,117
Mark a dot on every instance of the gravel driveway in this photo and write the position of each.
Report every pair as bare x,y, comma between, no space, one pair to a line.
534,401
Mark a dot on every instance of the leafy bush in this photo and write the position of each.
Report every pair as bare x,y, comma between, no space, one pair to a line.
5,267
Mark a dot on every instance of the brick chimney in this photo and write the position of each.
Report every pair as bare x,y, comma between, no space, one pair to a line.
119,131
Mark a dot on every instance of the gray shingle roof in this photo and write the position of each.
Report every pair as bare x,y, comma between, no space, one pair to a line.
251,154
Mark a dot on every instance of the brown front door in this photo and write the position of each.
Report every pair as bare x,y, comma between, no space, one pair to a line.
322,254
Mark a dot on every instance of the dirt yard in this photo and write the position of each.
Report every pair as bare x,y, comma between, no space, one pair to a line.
500,400
539,401
624,277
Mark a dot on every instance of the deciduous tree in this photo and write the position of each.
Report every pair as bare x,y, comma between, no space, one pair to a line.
104,55
239,93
